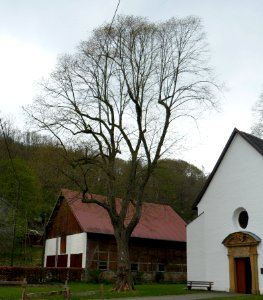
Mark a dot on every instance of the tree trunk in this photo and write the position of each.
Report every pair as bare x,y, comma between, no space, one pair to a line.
124,280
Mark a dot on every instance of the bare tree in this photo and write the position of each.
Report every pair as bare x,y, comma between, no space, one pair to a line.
257,128
119,95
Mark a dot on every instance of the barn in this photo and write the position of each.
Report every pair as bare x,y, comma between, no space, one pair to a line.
80,235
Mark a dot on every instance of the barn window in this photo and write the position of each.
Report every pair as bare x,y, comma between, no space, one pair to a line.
243,219
161,267
103,265
63,243
134,267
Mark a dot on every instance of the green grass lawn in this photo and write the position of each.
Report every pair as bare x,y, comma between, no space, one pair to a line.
78,290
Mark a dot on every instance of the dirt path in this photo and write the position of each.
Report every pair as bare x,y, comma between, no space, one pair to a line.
188,296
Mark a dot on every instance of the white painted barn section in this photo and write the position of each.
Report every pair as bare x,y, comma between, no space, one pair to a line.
75,244
235,185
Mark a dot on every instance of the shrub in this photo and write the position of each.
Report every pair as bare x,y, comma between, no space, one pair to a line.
95,276
137,277
38,274
159,277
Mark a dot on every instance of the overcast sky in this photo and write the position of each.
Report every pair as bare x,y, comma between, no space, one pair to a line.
34,32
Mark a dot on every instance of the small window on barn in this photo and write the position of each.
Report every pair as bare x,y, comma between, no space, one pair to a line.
243,219
103,265
63,243
134,267
161,268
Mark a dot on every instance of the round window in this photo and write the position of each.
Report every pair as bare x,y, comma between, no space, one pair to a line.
243,219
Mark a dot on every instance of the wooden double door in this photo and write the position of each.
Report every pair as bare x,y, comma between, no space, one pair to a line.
243,275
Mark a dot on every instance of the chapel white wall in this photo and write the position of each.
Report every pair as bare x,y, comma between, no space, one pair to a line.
195,254
237,183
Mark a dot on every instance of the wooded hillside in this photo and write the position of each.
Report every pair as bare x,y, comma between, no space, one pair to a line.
33,169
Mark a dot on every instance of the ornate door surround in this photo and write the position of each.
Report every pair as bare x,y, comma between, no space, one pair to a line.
242,244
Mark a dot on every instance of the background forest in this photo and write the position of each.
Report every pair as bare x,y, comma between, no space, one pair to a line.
33,169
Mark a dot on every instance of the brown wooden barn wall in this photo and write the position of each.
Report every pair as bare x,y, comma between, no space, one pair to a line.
148,254
63,223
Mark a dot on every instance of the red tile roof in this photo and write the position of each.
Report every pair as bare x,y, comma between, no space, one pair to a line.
159,222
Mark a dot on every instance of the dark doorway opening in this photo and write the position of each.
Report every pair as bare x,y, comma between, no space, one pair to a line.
243,275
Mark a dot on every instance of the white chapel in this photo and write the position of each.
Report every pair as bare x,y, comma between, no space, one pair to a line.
224,242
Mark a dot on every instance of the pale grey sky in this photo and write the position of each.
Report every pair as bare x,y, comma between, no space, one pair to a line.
34,32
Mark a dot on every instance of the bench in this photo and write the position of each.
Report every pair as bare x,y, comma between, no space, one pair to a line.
192,283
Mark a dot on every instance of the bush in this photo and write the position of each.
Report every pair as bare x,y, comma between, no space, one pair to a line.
38,274
95,276
137,277
159,277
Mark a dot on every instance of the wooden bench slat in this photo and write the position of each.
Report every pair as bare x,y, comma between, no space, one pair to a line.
195,281
198,283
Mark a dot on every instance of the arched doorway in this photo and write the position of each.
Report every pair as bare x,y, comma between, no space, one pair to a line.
243,262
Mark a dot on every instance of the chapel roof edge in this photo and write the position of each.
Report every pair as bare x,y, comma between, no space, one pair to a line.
254,141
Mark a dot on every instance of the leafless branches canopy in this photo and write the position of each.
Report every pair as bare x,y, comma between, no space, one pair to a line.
257,128
119,95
